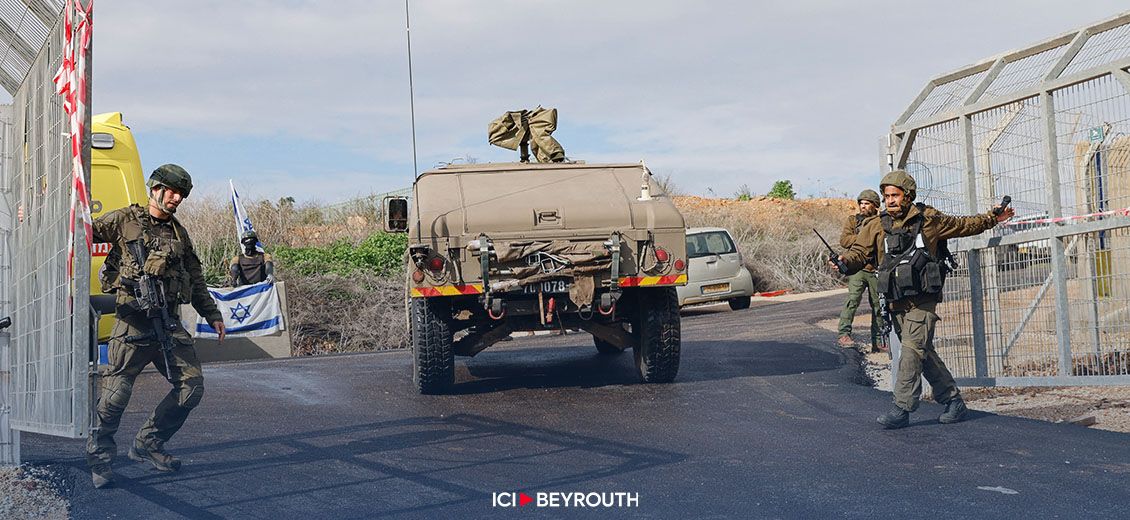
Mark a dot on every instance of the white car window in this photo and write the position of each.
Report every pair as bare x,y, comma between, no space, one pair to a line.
709,243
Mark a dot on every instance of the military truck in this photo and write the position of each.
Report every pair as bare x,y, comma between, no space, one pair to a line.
499,248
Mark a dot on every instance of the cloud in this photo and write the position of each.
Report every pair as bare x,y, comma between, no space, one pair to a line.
717,93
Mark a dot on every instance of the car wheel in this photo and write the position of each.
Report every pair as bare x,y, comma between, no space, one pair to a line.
738,304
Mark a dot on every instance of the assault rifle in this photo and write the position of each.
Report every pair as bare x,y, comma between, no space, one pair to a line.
149,295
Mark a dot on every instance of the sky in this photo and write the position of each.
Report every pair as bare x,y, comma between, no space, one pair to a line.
310,99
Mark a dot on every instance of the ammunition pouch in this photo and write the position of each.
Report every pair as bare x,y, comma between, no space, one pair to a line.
897,244
908,268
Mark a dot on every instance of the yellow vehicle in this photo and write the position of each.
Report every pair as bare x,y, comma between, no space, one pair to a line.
116,181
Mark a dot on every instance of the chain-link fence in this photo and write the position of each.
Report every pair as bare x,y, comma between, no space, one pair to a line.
50,349
1044,299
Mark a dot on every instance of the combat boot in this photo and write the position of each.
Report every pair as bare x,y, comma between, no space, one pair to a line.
955,411
158,457
845,341
101,475
895,419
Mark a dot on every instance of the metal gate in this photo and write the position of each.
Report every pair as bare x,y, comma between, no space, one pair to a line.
1044,299
49,351
9,438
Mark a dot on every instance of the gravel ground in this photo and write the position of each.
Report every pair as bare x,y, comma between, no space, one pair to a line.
30,492
1107,406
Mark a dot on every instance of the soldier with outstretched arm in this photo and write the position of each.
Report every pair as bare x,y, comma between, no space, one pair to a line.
908,239
169,273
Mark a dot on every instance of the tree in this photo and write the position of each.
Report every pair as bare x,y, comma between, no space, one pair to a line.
667,184
782,190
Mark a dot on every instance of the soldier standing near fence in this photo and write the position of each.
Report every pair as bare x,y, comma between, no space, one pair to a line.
910,239
864,280
173,261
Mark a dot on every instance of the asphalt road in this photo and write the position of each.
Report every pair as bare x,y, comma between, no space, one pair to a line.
766,420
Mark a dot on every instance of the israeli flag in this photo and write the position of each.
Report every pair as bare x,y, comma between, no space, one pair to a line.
249,311
242,221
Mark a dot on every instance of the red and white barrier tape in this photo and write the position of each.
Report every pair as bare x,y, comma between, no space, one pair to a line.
1124,212
70,83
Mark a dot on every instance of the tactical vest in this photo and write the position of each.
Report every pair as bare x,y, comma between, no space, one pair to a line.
908,269
166,260
250,269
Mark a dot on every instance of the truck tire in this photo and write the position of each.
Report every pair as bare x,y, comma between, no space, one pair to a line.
433,359
605,348
740,303
659,333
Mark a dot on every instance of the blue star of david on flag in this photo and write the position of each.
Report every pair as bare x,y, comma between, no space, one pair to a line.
240,312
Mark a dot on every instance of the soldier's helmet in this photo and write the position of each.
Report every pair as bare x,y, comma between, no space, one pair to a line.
869,196
901,180
172,176
249,236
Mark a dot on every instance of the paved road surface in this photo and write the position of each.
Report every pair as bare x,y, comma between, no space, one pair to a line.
766,420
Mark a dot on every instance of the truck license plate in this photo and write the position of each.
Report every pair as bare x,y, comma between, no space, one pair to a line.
551,286
716,288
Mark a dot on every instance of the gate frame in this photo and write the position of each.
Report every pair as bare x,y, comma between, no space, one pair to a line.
904,133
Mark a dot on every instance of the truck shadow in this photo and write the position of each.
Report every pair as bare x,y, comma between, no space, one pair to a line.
582,367
415,466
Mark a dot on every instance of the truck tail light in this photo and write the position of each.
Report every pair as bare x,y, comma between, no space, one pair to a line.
680,265
418,276
661,254
435,263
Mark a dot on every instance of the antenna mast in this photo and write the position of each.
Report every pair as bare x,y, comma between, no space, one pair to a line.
411,89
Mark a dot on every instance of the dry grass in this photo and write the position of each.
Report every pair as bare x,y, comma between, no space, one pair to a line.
775,236
333,313
328,312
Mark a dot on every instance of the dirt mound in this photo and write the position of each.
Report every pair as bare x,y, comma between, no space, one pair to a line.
768,210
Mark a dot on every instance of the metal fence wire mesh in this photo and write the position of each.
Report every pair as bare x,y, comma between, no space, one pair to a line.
9,439
1044,299
50,345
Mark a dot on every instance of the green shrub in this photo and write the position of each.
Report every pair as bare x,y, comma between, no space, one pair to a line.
782,190
744,193
381,253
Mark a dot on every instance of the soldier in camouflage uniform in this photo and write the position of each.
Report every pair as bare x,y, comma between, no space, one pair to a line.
916,230
132,345
864,280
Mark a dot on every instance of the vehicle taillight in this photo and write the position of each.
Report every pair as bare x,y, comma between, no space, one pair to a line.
435,263
661,254
418,276
680,265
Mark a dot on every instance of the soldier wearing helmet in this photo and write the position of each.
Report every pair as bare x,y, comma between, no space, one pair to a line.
172,259
909,241
864,280
251,266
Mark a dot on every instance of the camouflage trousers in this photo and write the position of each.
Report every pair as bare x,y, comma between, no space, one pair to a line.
858,284
918,358
127,359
